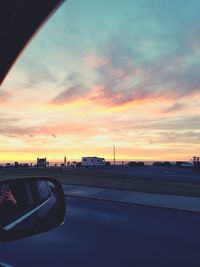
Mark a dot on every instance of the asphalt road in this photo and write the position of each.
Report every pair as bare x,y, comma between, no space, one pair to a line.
150,179
100,233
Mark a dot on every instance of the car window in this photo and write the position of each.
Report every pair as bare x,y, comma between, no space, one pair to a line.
104,74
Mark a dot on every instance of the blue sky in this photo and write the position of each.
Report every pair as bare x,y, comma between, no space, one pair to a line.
104,72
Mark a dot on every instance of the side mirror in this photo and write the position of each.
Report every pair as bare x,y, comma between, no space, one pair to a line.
30,206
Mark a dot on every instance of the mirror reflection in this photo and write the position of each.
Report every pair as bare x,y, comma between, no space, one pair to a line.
28,204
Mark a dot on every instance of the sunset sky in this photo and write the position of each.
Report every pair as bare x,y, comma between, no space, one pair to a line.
107,72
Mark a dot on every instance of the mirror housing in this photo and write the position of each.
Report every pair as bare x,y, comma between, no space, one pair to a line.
30,206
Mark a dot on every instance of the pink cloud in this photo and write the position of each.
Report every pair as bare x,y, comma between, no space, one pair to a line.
94,61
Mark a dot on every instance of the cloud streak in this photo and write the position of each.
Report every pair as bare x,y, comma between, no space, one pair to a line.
121,81
70,94
120,72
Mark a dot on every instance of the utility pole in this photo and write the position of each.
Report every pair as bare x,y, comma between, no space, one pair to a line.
114,154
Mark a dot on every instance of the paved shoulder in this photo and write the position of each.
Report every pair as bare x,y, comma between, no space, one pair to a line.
130,197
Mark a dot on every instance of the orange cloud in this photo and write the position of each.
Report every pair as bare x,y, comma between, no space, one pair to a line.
93,61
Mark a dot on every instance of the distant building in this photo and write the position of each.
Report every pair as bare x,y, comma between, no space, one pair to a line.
65,160
92,161
16,164
42,162
8,165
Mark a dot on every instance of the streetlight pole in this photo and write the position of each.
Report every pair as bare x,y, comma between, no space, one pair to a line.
114,154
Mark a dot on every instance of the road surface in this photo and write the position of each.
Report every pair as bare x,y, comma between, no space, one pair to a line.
102,233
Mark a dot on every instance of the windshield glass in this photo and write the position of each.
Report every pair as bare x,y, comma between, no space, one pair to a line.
107,73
